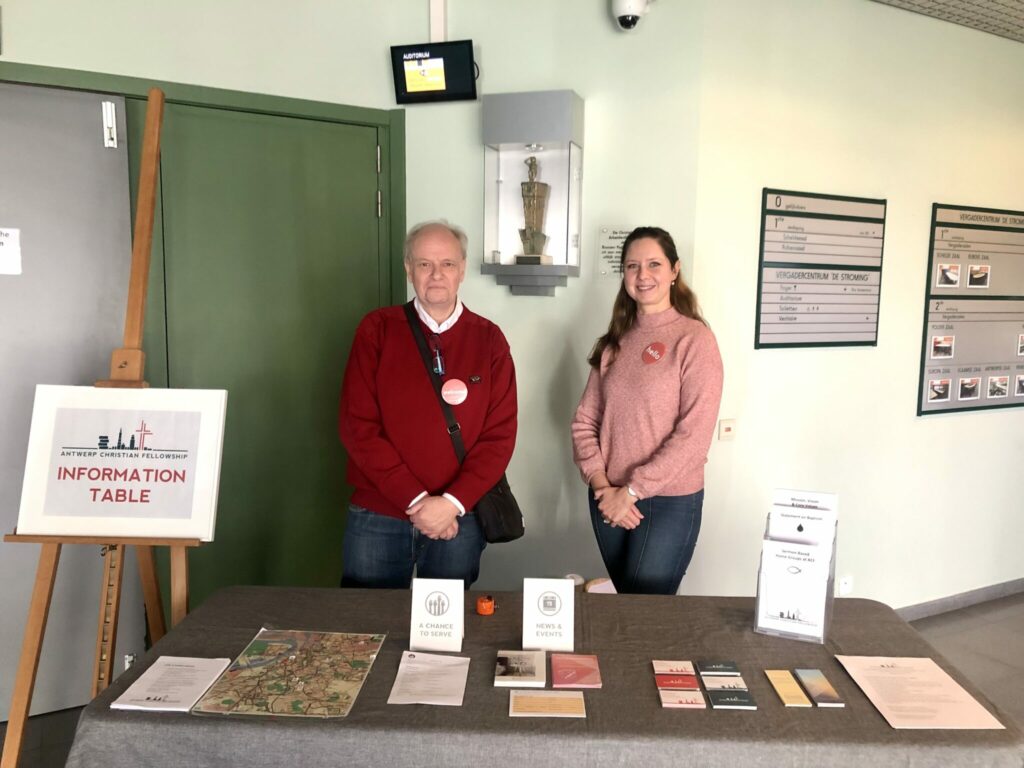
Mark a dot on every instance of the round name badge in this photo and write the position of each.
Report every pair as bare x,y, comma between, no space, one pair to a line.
653,352
454,391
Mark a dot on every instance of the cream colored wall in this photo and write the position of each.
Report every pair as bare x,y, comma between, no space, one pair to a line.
686,119
861,99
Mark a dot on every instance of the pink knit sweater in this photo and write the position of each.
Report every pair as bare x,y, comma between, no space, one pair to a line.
647,418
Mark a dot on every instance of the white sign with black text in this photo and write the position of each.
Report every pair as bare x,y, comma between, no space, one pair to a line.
10,251
549,610
438,615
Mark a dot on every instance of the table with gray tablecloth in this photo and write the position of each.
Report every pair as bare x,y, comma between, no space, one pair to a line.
625,723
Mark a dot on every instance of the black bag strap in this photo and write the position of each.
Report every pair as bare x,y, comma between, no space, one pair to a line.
454,430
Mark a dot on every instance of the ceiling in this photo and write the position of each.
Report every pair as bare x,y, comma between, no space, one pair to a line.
998,17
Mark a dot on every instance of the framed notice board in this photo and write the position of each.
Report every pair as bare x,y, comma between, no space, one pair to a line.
820,270
972,346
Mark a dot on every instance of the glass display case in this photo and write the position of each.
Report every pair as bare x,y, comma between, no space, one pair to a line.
533,177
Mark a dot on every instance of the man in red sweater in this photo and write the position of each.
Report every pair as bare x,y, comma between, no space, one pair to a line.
413,502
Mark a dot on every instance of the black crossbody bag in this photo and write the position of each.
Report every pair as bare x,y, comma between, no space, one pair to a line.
498,511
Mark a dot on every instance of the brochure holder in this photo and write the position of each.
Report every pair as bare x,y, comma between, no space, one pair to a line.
783,604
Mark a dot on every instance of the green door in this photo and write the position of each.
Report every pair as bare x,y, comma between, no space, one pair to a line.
271,256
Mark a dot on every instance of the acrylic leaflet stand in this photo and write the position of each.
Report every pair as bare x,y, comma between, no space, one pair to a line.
126,370
828,598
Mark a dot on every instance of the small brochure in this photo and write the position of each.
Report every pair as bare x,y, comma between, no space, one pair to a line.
716,668
819,688
546,704
172,684
677,682
731,700
672,667
794,585
520,669
549,622
724,683
806,517
787,688
438,615
428,678
682,699
912,692
575,670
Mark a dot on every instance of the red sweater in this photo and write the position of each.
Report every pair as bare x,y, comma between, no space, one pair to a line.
392,425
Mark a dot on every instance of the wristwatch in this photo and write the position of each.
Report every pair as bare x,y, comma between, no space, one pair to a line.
631,492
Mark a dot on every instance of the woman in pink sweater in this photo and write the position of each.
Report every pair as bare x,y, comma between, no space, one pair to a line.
643,426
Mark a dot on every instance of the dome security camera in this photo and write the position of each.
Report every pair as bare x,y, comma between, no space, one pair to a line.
627,13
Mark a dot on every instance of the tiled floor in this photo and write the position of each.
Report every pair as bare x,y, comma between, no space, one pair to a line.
985,642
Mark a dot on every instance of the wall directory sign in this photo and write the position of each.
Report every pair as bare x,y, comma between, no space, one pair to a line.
820,270
972,350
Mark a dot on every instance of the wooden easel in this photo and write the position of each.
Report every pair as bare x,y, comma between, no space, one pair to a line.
126,370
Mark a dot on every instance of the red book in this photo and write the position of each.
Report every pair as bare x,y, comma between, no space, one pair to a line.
677,682
574,670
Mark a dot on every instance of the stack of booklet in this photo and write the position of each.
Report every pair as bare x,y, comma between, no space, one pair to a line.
677,684
794,587
680,687
528,669
725,685
813,682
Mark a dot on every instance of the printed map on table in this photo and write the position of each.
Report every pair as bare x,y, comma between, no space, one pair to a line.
295,674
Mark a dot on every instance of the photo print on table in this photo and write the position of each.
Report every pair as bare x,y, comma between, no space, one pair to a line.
1018,390
970,389
938,390
978,275
1020,345
998,386
947,276
942,347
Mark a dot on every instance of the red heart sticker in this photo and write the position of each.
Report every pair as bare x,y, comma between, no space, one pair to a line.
653,352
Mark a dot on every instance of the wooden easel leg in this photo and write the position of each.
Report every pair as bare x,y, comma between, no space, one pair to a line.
110,609
28,665
151,593
179,583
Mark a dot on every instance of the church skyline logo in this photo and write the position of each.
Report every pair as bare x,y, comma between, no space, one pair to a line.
120,449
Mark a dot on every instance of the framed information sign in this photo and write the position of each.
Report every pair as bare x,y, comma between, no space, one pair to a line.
972,347
123,462
820,270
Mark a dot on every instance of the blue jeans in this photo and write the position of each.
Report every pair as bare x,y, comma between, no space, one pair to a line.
380,551
653,557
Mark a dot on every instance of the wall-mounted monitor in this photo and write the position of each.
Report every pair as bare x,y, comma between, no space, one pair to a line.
434,72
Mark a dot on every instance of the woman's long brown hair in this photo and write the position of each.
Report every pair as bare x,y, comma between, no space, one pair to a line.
624,310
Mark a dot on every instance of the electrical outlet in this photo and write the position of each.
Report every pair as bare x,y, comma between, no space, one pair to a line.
845,585
726,429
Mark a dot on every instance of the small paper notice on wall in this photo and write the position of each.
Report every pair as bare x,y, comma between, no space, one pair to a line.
609,246
10,251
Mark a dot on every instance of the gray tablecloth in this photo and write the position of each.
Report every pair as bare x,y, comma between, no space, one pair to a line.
625,723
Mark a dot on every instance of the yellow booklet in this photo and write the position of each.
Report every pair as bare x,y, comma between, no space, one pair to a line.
785,685
546,704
